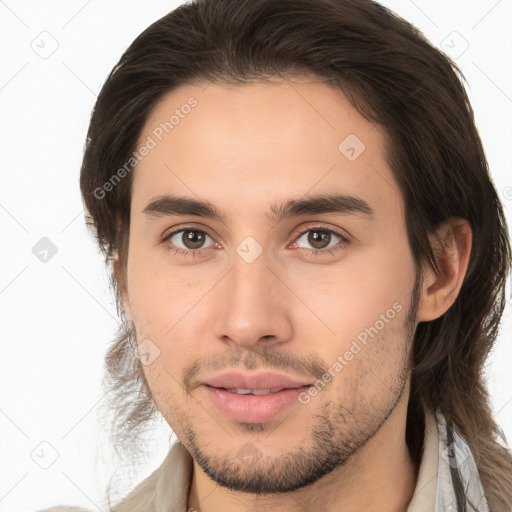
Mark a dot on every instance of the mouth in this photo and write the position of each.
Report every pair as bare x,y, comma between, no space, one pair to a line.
253,405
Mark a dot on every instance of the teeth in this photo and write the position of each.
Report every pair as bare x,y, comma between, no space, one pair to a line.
264,391
254,391
240,391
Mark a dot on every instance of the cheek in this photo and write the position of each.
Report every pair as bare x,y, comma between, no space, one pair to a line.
368,373
165,390
366,309
159,297
364,295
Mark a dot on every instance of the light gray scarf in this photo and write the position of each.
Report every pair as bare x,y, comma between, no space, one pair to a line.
457,469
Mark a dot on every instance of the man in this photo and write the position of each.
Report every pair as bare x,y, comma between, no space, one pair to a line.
309,258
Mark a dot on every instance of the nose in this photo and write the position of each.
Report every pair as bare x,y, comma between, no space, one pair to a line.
253,305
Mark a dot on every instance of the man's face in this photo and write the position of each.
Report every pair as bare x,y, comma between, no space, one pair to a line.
314,303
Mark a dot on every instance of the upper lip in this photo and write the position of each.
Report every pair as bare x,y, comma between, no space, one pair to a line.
262,380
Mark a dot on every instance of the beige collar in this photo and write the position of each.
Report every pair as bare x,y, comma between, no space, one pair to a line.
424,497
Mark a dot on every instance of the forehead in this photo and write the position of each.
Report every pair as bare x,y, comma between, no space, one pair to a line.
261,141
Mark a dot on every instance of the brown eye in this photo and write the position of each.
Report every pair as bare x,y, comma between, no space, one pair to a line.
320,238
188,239
193,239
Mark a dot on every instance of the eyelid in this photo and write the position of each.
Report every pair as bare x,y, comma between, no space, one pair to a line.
186,227
305,228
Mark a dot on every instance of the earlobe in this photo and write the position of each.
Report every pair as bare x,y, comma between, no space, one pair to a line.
451,245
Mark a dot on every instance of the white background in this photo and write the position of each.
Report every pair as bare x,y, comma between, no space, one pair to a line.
57,317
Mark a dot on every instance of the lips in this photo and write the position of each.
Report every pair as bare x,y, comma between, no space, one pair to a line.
253,398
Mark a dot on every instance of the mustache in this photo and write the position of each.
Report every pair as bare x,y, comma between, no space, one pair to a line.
259,358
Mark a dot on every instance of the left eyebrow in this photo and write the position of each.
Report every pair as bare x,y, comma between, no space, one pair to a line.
168,205
324,203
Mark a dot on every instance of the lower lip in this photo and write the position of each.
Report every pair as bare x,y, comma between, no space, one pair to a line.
253,408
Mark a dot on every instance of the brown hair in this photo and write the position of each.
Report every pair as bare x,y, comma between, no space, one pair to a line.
395,78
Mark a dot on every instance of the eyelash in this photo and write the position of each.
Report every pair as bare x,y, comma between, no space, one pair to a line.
340,246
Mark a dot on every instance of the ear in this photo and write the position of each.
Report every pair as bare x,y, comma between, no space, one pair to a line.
120,278
451,245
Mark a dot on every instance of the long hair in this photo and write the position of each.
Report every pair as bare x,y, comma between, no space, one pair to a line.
395,78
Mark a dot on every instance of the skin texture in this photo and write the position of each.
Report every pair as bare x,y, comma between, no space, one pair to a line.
244,148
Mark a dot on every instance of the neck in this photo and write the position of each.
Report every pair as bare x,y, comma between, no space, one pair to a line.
380,476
